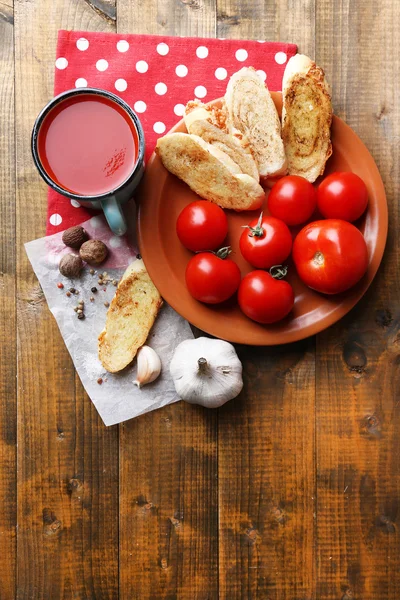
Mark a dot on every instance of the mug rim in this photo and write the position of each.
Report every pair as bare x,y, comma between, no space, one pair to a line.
77,92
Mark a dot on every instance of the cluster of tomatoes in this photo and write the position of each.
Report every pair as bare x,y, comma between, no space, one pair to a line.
330,254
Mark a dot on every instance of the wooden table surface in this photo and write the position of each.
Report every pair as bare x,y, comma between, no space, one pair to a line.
291,491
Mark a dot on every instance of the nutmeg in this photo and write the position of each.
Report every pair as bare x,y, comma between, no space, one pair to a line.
74,237
70,266
93,252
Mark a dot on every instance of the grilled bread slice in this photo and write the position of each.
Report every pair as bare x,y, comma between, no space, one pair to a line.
198,121
252,111
209,172
130,317
306,117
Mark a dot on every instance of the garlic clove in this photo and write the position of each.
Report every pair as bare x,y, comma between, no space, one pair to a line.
148,366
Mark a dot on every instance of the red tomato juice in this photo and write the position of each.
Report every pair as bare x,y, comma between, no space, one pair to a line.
88,145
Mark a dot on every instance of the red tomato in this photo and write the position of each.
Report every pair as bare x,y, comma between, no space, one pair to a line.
330,256
263,298
292,199
342,196
212,278
266,242
202,225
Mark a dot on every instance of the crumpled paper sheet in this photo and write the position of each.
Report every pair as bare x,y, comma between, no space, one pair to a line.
117,398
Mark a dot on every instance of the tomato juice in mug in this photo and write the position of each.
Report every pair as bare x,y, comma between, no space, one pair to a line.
88,145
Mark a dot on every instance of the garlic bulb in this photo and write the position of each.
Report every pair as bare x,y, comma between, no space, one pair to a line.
148,366
206,371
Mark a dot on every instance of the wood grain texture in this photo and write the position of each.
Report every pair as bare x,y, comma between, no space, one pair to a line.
358,401
291,21
290,492
266,478
67,461
167,17
8,345
168,469
266,438
168,505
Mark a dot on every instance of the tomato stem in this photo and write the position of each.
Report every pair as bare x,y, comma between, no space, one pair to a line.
278,271
258,230
223,252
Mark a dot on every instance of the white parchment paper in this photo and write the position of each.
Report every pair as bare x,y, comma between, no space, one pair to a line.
117,398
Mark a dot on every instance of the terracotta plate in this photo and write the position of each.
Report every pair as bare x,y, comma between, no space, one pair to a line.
162,197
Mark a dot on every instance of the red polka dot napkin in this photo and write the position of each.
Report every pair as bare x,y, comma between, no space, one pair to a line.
157,76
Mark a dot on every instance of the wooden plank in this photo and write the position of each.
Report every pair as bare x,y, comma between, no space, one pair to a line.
266,437
167,17
168,470
8,335
266,478
67,460
168,505
358,407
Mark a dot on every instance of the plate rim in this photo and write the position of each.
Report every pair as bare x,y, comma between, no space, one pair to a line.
297,334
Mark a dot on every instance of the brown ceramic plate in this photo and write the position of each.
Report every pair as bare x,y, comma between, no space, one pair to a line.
163,196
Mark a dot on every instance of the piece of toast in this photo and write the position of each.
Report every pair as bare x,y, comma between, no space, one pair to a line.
130,317
199,121
252,111
209,172
306,117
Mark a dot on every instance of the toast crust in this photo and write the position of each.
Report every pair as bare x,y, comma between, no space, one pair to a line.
253,113
129,319
306,118
201,120
209,172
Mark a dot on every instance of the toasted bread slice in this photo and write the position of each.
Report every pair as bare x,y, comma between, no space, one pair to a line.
217,115
209,172
198,122
306,117
130,317
252,111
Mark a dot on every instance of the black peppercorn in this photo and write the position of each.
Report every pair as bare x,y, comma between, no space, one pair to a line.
93,289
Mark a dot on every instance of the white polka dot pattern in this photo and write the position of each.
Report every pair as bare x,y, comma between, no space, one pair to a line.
122,46
221,73
179,109
181,70
102,65
55,219
115,242
280,58
200,91
140,106
202,52
241,54
159,127
80,82
121,85
262,74
95,222
142,66
61,63
82,44
162,49
156,76
160,89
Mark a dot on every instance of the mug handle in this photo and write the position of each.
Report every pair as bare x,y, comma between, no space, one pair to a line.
114,215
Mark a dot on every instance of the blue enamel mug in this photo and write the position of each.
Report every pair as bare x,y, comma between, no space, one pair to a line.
111,200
